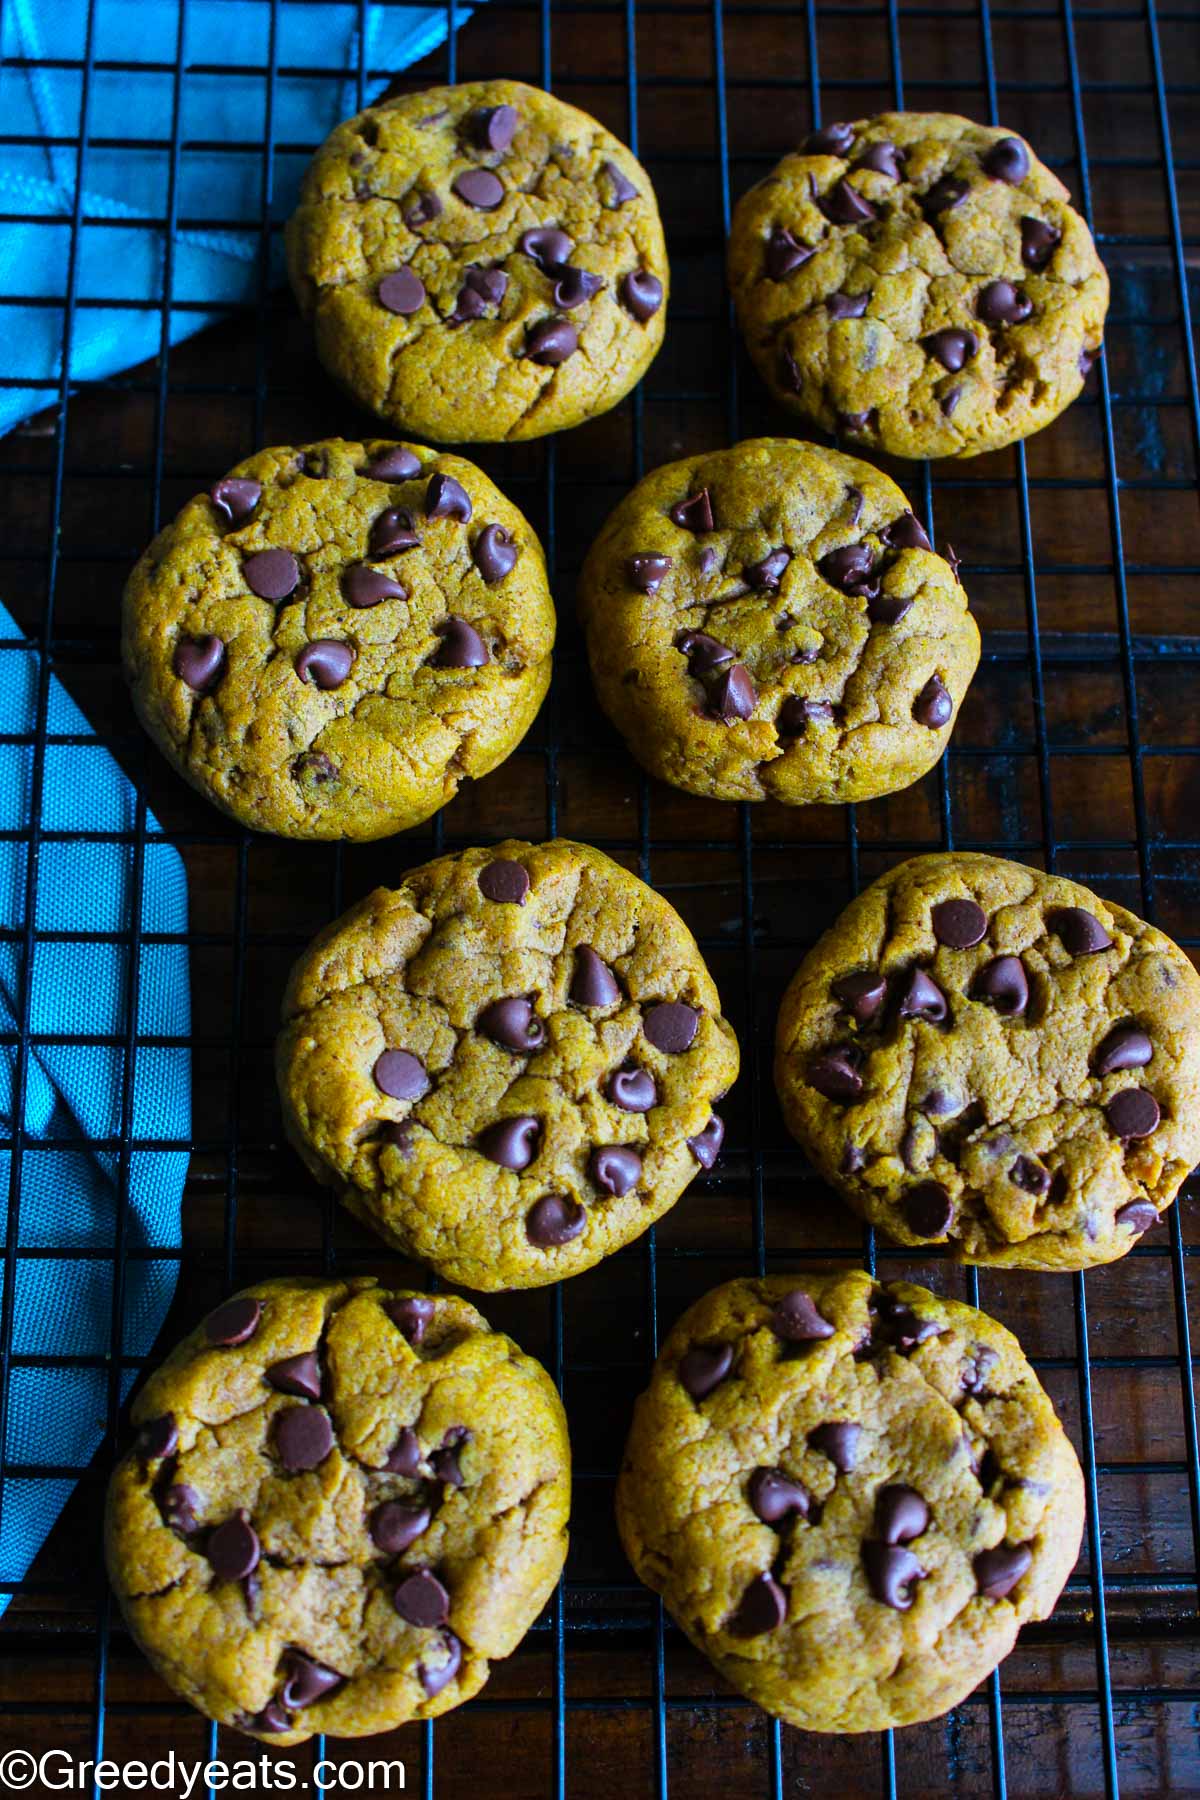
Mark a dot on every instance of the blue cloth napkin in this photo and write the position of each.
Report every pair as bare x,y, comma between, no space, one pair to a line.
70,1190
222,127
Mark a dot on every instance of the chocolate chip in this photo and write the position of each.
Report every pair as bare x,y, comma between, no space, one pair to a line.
422,1600
1088,358
592,981
1000,303
783,254
325,662
553,1221
773,1495
952,347
620,186
704,1367
401,1075
200,662
862,994
479,188
315,768
444,1461
233,1548
1080,932
306,1681
1039,241
1138,1216
365,587
707,560
641,293
850,568
394,1526
900,1325
762,1608
1125,1047
433,1680
615,1169
943,196
933,705
446,498
693,514
1004,984
950,399
271,1719
412,1316
494,554
1007,160
393,532
847,306
733,695
234,1322
298,1375
768,573
504,882
830,140
461,646
887,609
928,1209
884,159
401,292
844,205
546,246
998,1571
647,571
706,1145
512,1023
422,209
671,1026
959,923
922,998
797,713
1029,1175
492,127
550,343
573,286
900,1514
404,1458
974,1377
905,533
704,653
838,1440
272,574
303,1437
236,496
835,1074
1133,1113
513,1143
891,1573
158,1438
632,1089
796,1320
180,1506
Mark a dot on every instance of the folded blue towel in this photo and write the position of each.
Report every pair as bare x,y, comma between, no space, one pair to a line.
125,193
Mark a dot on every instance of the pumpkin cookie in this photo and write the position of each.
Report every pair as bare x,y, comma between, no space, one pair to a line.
342,1504
982,1054
918,283
332,639
507,1066
849,1494
480,262
771,622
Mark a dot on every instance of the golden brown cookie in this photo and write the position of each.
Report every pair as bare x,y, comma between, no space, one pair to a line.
480,262
919,283
333,638
342,1504
850,1495
771,622
984,1055
507,1066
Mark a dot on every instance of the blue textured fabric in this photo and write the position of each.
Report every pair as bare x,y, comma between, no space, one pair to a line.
219,194
70,1188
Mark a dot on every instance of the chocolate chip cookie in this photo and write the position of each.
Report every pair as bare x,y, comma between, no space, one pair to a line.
508,1065
851,1495
342,1504
480,262
771,622
980,1054
918,283
332,639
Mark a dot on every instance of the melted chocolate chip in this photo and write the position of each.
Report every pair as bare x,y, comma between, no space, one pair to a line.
422,209
200,662
1125,1047
505,883
573,286
733,695
233,1548
835,1074
851,569
421,1600
704,1367
303,1437
952,348
236,496
1039,241
892,1573
943,196
461,646
796,1320
444,1461
365,587
959,924
393,532
615,1169
1007,160
1000,303
446,498
158,1438
847,306
395,1526
838,1440
1138,1216
494,553
592,981
998,1571
482,287
512,1023
830,140
765,576
492,127
862,994
1030,1176
1003,983
326,662
551,342
513,1142
632,1089
706,1145
297,1375
647,571
546,246
404,1458
900,1514
762,1608
693,514
620,187
234,1322
905,533
774,1496
641,294
884,158
180,1506
412,1316
435,1678
1133,1113
922,998
887,609
1080,932
844,205
671,1026
784,254
553,1221
704,653
400,1075
306,1681
928,1210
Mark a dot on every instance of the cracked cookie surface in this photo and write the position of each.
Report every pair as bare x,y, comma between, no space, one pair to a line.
982,1054
333,638
480,262
850,1495
343,1503
506,1066
918,283
770,622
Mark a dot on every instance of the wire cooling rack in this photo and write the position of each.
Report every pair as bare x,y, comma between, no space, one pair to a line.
1076,749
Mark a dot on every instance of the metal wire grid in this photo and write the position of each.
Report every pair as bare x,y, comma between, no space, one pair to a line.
579,1605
